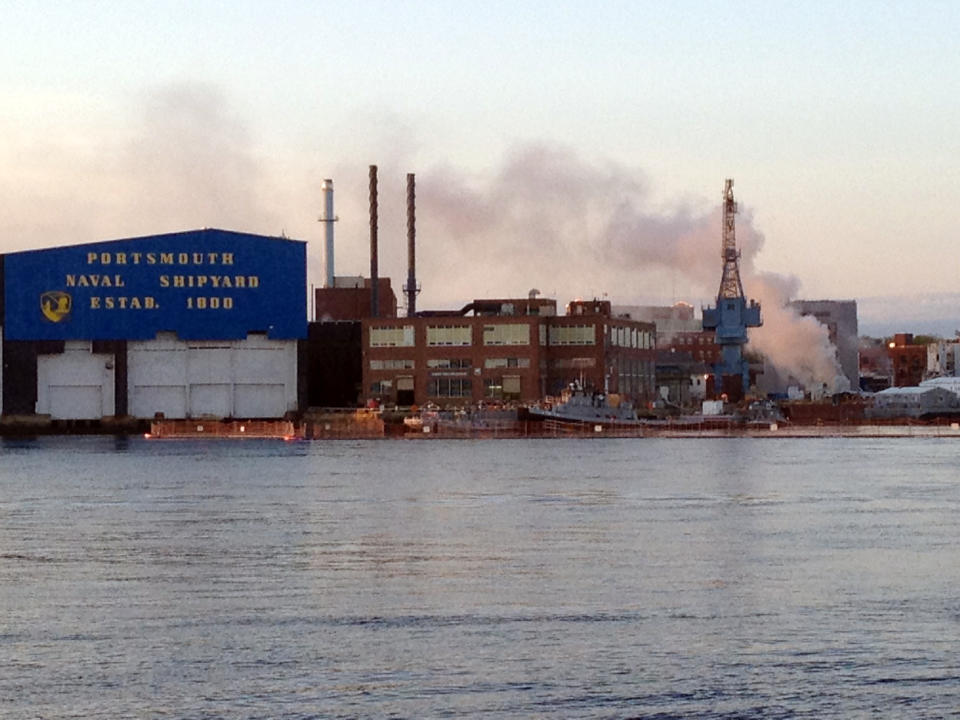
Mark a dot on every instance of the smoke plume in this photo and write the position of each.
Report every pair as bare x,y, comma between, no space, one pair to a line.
543,217
548,219
182,160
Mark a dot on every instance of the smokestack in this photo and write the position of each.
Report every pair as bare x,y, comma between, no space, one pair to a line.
328,219
374,274
411,245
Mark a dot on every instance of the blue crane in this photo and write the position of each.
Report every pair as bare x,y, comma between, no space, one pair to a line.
732,315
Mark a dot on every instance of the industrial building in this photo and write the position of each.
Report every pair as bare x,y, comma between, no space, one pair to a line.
191,324
840,319
506,350
876,367
919,402
943,358
669,319
491,351
908,360
349,298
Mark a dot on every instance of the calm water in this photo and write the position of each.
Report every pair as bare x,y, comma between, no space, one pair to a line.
495,579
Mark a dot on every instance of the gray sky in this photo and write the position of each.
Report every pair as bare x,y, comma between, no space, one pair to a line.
579,148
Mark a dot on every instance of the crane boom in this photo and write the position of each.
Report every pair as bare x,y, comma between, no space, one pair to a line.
730,285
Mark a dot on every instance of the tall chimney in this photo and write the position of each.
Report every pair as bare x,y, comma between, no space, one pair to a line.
411,245
328,219
374,274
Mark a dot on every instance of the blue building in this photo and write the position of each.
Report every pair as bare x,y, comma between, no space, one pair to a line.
191,324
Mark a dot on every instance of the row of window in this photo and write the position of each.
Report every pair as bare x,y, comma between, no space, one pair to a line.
503,388
399,336
450,363
577,363
634,378
504,334
449,387
698,339
630,337
573,334
450,335
506,362
402,364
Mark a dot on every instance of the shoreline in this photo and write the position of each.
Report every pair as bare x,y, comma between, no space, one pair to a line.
375,428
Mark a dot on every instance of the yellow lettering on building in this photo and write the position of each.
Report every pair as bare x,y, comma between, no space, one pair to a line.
209,303
94,281
123,302
217,281
163,258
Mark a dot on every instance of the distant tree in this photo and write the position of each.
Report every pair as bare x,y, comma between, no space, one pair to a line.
926,339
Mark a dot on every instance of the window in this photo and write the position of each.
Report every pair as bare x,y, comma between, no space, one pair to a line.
449,335
449,363
506,362
391,364
505,388
449,387
572,335
391,336
506,334
381,387
577,363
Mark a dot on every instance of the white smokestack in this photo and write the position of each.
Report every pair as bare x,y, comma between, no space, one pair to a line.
328,219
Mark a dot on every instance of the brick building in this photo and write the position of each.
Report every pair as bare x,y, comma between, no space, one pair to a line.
350,298
506,350
701,344
907,359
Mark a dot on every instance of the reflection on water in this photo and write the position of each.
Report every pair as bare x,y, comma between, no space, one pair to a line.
570,578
